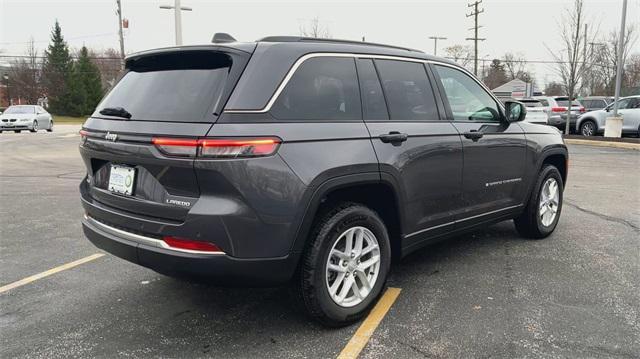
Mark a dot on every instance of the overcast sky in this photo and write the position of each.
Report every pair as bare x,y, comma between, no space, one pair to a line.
520,26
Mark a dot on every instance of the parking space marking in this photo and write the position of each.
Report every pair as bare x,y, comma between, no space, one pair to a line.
49,272
366,329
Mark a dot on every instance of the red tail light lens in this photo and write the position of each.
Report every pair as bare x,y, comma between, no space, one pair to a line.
582,109
239,147
559,109
218,147
181,147
182,243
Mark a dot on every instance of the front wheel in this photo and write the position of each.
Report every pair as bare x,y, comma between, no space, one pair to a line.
588,128
50,129
34,127
345,265
542,213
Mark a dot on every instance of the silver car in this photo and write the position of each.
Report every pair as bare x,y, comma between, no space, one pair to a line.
535,111
592,123
26,117
556,108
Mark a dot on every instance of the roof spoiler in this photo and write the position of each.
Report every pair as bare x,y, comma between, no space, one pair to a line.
222,37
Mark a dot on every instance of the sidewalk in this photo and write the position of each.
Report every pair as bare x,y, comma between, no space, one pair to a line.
626,143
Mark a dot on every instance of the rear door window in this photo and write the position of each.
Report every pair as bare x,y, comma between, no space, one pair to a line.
408,90
183,87
322,88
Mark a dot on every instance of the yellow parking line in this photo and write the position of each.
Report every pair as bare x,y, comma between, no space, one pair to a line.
51,271
364,333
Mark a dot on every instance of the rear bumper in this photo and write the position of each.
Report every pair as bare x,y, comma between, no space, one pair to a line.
217,268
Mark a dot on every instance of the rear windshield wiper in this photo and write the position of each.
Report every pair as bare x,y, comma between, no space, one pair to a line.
115,111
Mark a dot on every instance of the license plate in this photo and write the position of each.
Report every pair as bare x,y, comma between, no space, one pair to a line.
121,179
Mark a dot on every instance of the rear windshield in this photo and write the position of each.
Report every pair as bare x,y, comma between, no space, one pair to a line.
532,103
565,102
183,87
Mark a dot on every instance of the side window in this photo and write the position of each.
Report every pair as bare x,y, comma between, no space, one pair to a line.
468,100
624,104
408,90
374,107
544,103
322,88
587,103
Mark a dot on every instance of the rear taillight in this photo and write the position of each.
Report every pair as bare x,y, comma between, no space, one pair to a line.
558,109
188,244
218,147
182,147
582,109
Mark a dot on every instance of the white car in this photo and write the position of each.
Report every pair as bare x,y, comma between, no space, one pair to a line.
26,117
535,111
592,123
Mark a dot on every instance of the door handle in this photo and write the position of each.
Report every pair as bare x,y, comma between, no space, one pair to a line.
393,137
473,135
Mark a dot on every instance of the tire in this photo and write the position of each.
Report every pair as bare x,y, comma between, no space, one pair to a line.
315,277
50,129
533,223
34,127
588,128
17,131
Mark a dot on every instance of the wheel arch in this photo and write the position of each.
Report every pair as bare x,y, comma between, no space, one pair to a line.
369,189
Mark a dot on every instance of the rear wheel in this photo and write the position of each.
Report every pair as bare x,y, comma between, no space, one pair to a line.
34,127
345,265
541,214
588,128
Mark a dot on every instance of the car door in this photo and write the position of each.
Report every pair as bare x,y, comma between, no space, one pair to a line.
630,111
43,118
415,147
494,150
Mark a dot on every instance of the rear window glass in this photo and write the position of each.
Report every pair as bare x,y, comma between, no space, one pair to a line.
322,88
532,103
181,87
565,102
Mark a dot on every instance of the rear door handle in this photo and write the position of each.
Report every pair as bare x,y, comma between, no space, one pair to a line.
473,135
393,137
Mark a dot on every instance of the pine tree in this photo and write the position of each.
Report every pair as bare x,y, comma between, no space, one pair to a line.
56,72
76,94
89,77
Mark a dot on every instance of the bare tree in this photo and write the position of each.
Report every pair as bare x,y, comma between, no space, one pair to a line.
315,29
516,67
108,62
25,76
605,60
553,89
631,84
461,54
571,66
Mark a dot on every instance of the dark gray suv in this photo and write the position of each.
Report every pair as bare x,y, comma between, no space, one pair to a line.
307,160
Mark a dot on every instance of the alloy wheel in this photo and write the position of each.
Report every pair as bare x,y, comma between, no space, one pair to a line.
549,202
587,129
353,266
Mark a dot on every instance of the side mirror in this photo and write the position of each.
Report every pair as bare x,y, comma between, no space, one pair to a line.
515,111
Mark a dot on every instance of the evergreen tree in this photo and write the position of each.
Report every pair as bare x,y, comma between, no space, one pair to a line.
56,72
496,76
76,94
89,76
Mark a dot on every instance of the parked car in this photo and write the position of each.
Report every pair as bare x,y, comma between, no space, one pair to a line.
320,160
593,123
535,111
556,108
592,103
25,117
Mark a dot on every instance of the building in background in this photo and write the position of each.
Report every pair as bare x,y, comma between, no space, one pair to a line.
516,89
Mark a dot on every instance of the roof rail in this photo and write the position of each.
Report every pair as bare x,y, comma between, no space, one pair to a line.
337,41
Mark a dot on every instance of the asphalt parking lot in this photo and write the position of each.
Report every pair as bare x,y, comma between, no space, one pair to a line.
485,294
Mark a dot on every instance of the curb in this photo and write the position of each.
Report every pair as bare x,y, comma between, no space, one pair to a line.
625,145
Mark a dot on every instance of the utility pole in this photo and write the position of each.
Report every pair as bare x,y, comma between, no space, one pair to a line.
177,11
475,28
435,43
119,11
613,125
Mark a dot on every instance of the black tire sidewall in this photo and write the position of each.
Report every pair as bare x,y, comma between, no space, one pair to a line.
350,217
547,172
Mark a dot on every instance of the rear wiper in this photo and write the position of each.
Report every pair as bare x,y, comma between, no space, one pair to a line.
115,111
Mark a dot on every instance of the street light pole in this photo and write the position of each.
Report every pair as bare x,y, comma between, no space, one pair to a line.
613,125
435,43
177,10
120,35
